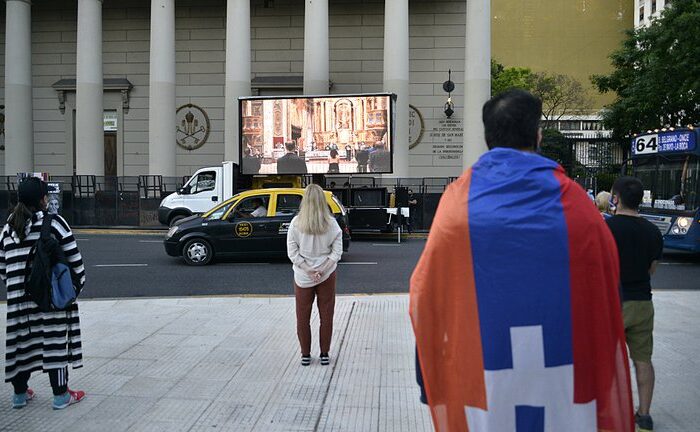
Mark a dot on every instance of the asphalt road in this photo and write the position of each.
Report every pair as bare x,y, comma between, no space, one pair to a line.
137,266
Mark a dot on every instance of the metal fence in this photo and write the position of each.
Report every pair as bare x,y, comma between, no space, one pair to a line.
595,163
102,201
133,201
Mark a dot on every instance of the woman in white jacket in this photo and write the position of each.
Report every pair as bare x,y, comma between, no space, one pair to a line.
314,245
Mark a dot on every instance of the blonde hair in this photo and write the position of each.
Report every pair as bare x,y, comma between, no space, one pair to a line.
314,215
602,201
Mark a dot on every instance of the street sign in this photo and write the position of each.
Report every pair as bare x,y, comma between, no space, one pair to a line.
664,142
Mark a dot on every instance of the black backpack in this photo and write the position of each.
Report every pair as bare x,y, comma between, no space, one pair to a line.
45,254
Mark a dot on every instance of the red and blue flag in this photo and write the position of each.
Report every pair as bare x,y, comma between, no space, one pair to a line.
515,305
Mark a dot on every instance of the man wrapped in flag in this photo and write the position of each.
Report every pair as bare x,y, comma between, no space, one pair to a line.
515,301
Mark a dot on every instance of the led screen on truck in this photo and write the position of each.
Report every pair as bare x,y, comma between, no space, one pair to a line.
339,134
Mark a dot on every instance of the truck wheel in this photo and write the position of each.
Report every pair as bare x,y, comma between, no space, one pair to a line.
197,252
175,219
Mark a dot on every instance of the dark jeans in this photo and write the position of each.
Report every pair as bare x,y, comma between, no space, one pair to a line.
325,293
57,377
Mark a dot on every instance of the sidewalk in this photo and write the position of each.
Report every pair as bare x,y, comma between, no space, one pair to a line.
232,364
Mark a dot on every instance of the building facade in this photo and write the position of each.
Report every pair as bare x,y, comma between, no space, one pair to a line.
103,86
647,10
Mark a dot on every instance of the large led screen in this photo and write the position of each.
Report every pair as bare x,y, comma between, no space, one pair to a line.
349,134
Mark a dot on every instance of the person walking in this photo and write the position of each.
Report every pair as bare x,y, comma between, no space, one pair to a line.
640,245
514,301
314,245
36,340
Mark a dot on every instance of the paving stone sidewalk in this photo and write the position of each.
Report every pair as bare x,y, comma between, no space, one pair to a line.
232,364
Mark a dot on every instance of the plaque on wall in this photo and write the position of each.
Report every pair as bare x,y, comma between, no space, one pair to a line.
416,126
193,127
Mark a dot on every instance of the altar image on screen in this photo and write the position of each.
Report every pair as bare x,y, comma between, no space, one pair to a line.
316,135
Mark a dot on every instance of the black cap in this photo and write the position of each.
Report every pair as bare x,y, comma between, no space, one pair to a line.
31,190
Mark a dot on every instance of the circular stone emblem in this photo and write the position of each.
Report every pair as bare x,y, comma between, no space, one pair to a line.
416,126
244,229
192,127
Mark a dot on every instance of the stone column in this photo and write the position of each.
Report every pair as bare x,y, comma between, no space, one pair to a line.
237,71
89,119
316,61
396,74
19,131
161,106
477,78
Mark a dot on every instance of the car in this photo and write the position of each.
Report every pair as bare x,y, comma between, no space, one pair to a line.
229,229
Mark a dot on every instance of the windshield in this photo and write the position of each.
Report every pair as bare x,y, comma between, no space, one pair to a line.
670,183
218,212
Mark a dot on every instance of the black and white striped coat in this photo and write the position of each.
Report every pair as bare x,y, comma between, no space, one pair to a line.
38,340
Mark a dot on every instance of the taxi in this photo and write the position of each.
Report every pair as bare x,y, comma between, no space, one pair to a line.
251,223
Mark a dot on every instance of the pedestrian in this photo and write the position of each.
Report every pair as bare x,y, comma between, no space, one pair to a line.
514,301
36,340
602,201
314,245
639,245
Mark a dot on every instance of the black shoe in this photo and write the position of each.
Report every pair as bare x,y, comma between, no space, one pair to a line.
305,360
644,423
325,360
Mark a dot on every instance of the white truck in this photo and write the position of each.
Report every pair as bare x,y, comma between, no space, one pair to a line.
205,189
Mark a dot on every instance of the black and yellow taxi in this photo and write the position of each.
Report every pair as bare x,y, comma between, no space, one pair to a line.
251,223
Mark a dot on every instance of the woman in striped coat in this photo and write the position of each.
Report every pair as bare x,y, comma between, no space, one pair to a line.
36,340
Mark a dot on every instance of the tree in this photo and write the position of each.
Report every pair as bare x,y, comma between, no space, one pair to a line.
655,76
561,95
503,78
556,147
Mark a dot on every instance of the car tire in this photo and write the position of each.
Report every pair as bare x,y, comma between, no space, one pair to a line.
176,218
197,252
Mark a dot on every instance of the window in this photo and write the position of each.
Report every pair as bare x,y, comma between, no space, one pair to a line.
220,212
570,125
653,6
205,181
591,125
641,14
247,207
288,204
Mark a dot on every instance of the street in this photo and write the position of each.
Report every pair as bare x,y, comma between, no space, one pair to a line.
123,266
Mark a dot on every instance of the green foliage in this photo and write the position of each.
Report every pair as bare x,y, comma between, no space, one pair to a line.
557,147
656,74
560,94
503,79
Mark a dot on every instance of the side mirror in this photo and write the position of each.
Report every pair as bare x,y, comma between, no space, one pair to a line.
185,190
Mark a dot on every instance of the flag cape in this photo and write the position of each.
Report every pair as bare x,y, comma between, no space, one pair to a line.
515,305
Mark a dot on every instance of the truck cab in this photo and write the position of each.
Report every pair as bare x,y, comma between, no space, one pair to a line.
206,188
